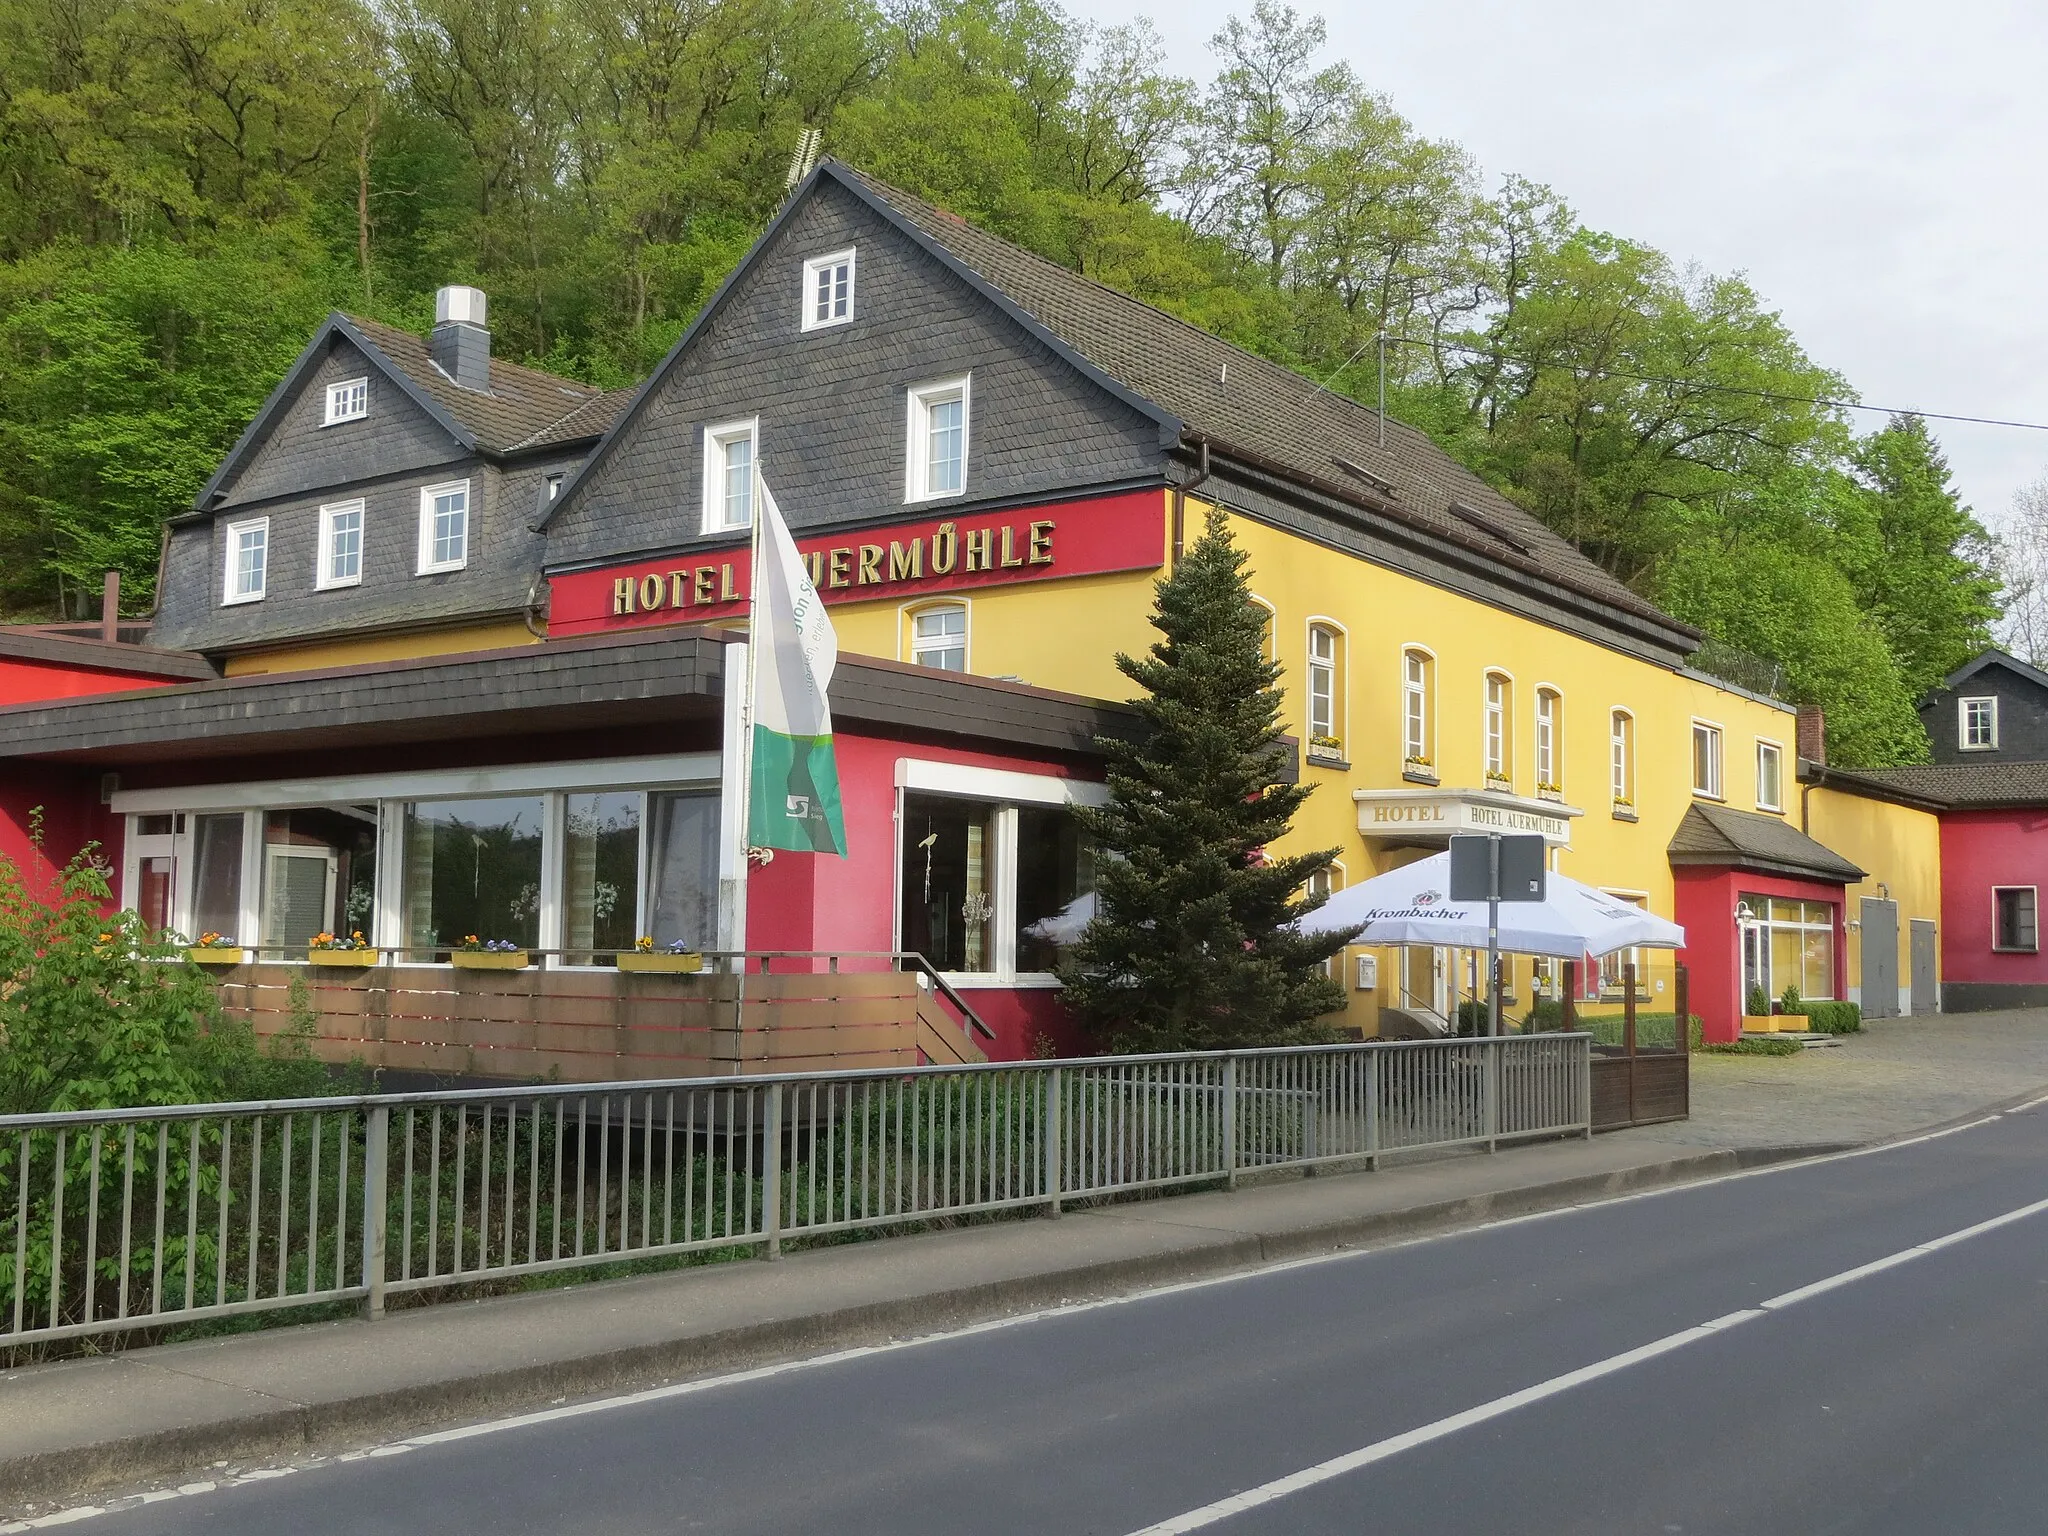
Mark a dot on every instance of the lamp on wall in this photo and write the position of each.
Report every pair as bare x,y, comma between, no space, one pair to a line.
1743,914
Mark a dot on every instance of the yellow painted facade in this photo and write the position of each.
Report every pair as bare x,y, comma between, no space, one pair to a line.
1899,846
382,646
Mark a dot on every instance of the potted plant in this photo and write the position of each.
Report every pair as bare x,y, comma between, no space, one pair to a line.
667,960
217,949
1756,1013
354,950
1499,781
476,954
1326,749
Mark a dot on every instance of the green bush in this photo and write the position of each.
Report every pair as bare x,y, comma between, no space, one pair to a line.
1754,1045
1832,1018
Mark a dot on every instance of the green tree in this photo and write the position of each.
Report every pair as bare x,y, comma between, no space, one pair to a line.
1191,946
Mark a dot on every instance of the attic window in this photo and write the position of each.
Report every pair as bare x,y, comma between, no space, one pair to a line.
1492,527
828,290
1359,472
347,401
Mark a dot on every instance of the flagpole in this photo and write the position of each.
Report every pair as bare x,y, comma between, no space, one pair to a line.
748,703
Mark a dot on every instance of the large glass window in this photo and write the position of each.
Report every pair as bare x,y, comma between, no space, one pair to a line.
319,876
600,875
682,848
1055,865
217,876
949,881
1792,944
472,867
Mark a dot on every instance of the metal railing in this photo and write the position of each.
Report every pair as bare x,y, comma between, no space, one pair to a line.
144,1218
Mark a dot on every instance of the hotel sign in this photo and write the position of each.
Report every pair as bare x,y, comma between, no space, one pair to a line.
1431,815
902,561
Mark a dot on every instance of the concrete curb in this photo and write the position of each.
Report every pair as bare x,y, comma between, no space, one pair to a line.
379,1415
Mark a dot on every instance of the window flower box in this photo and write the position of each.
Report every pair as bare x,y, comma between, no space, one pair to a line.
661,964
326,949
1625,810
489,959
1419,770
1326,749
217,954
1554,792
1501,782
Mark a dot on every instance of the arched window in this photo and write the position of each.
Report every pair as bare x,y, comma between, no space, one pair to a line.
1325,680
1549,741
1418,689
1622,759
1500,714
1268,616
938,637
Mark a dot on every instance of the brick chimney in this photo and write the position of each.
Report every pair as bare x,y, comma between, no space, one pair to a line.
110,607
1812,734
459,344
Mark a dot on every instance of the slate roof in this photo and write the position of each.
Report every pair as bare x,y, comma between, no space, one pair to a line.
525,408
92,654
1949,786
1718,835
1243,401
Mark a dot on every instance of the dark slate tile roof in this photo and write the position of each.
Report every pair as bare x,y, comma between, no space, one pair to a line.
1957,786
525,408
1242,400
1717,834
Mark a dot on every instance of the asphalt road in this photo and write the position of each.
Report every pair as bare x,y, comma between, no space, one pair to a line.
1909,1399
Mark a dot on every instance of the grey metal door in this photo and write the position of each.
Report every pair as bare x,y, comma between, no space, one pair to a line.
1880,979
1926,996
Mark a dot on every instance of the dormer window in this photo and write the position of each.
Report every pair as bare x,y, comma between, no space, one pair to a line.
1977,726
347,401
828,290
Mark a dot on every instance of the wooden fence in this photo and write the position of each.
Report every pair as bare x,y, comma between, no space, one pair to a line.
590,1026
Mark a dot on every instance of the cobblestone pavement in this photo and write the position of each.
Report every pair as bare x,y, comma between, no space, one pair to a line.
1898,1075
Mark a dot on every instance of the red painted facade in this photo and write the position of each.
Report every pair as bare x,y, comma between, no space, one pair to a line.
846,905
27,682
1704,902
906,561
1981,850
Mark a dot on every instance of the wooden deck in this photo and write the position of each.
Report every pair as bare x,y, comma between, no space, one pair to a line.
586,1026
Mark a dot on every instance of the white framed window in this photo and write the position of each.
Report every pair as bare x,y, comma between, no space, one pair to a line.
347,401
1499,726
937,450
1706,759
938,637
731,452
248,561
1977,724
444,527
2015,915
1418,685
1770,776
1325,660
341,545
1621,755
1549,739
828,290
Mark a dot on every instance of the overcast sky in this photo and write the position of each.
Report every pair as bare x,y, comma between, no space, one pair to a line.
1874,167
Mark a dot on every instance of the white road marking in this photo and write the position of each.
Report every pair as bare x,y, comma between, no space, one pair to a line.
1064,1309
1394,1445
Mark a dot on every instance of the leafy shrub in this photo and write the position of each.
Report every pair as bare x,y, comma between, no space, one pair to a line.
1788,1000
1754,1045
1757,1004
1832,1018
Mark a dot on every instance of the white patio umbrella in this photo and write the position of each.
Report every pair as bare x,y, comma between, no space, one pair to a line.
1412,905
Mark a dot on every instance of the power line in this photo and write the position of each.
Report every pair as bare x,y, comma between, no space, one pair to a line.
1700,384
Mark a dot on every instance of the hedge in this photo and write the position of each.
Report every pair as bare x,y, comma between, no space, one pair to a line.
1832,1018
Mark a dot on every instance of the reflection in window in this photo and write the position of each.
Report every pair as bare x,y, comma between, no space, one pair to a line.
600,875
682,848
217,875
948,881
1797,944
472,867
319,875
1055,864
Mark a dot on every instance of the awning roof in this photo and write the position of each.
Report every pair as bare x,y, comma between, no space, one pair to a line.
1719,836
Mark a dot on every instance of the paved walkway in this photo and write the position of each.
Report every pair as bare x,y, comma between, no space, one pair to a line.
1896,1076
256,1398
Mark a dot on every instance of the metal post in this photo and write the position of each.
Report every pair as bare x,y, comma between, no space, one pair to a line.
1052,1142
1493,934
1372,1110
1628,1032
1681,999
376,1145
1489,1087
1568,1015
1230,1122
771,1196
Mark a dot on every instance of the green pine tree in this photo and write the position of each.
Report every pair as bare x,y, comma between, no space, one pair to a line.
1190,947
